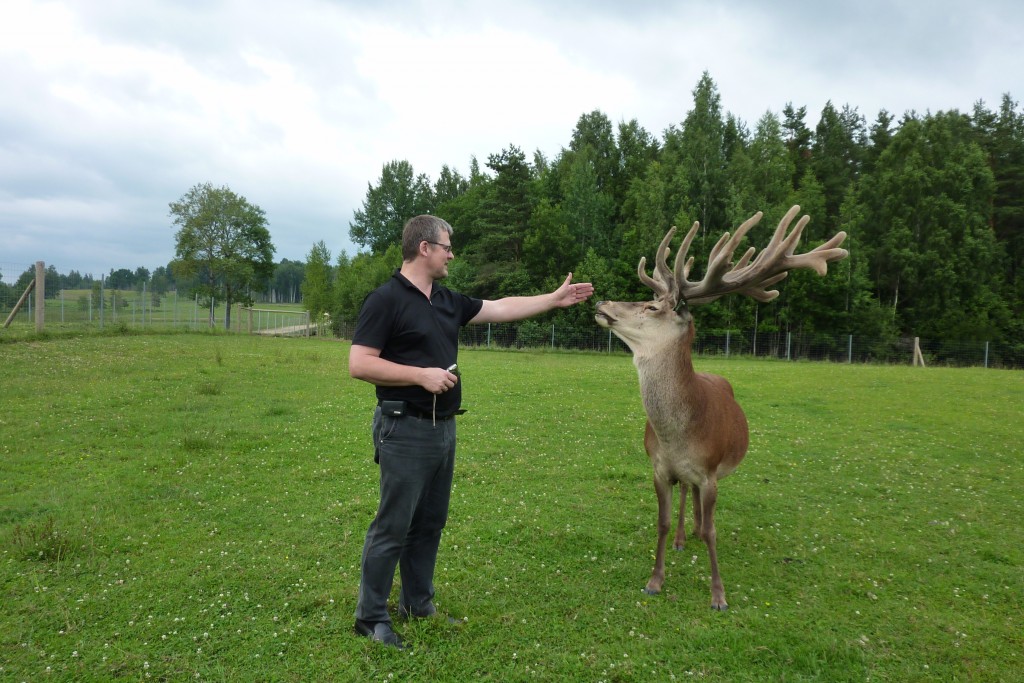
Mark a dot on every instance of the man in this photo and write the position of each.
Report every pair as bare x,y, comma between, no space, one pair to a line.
406,343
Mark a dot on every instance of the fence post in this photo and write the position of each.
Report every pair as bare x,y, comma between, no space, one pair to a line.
609,341
552,335
789,343
849,349
17,307
488,335
986,354
918,356
40,296
727,337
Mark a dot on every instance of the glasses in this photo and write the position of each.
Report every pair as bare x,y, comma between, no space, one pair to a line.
447,247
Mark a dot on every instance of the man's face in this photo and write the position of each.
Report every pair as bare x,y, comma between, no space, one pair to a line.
440,254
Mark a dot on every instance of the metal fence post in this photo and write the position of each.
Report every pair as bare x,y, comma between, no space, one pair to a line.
849,349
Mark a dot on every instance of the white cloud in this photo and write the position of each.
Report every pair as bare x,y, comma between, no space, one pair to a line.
112,110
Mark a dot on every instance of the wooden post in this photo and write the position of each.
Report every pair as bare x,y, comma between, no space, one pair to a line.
918,356
40,295
21,302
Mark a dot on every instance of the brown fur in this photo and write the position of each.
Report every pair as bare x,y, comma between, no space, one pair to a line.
696,432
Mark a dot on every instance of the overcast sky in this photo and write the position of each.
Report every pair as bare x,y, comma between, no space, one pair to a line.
111,109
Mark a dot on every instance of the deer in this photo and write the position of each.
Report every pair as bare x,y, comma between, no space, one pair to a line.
696,431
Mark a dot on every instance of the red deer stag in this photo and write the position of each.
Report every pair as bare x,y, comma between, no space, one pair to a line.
696,432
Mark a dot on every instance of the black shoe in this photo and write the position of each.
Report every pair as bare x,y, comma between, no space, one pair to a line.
404,613
379,632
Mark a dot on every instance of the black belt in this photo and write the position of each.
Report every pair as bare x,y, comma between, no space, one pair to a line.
412,411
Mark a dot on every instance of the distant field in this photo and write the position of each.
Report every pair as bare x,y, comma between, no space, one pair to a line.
192,507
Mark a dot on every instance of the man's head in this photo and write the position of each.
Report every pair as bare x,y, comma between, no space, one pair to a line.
426,228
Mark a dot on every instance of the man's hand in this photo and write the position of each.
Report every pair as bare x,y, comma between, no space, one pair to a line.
572,293
366,364
437,380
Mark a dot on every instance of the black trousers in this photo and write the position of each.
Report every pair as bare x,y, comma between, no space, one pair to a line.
417,462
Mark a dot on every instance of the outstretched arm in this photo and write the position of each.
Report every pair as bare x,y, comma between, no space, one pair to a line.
520,307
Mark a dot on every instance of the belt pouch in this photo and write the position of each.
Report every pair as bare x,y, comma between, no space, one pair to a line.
392,408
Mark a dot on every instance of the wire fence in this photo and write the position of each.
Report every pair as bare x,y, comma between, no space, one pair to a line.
782,346
106,309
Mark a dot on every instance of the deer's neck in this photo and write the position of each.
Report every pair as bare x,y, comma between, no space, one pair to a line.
668,384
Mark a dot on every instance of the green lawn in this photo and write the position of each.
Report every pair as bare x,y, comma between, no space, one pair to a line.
192,507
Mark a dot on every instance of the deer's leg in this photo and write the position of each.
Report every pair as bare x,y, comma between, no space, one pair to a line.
680,541
664,491
697,513
708,498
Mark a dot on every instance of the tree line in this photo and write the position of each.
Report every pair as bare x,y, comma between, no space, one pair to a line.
933,205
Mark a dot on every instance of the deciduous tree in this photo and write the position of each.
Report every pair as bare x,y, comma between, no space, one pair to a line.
316,286
223,241
399,195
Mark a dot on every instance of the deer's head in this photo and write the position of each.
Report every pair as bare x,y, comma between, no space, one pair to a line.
667,318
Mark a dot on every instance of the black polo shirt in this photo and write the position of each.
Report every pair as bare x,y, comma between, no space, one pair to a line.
410,330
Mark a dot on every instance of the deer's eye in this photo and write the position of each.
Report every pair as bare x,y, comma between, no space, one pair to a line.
651,307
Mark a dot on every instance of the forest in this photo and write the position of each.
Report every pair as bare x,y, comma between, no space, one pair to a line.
933,205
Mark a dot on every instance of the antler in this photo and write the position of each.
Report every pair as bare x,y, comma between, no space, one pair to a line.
746,277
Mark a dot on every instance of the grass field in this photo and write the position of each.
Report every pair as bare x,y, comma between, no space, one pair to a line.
192,507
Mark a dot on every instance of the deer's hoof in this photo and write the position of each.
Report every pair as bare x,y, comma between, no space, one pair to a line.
720,607
651,591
